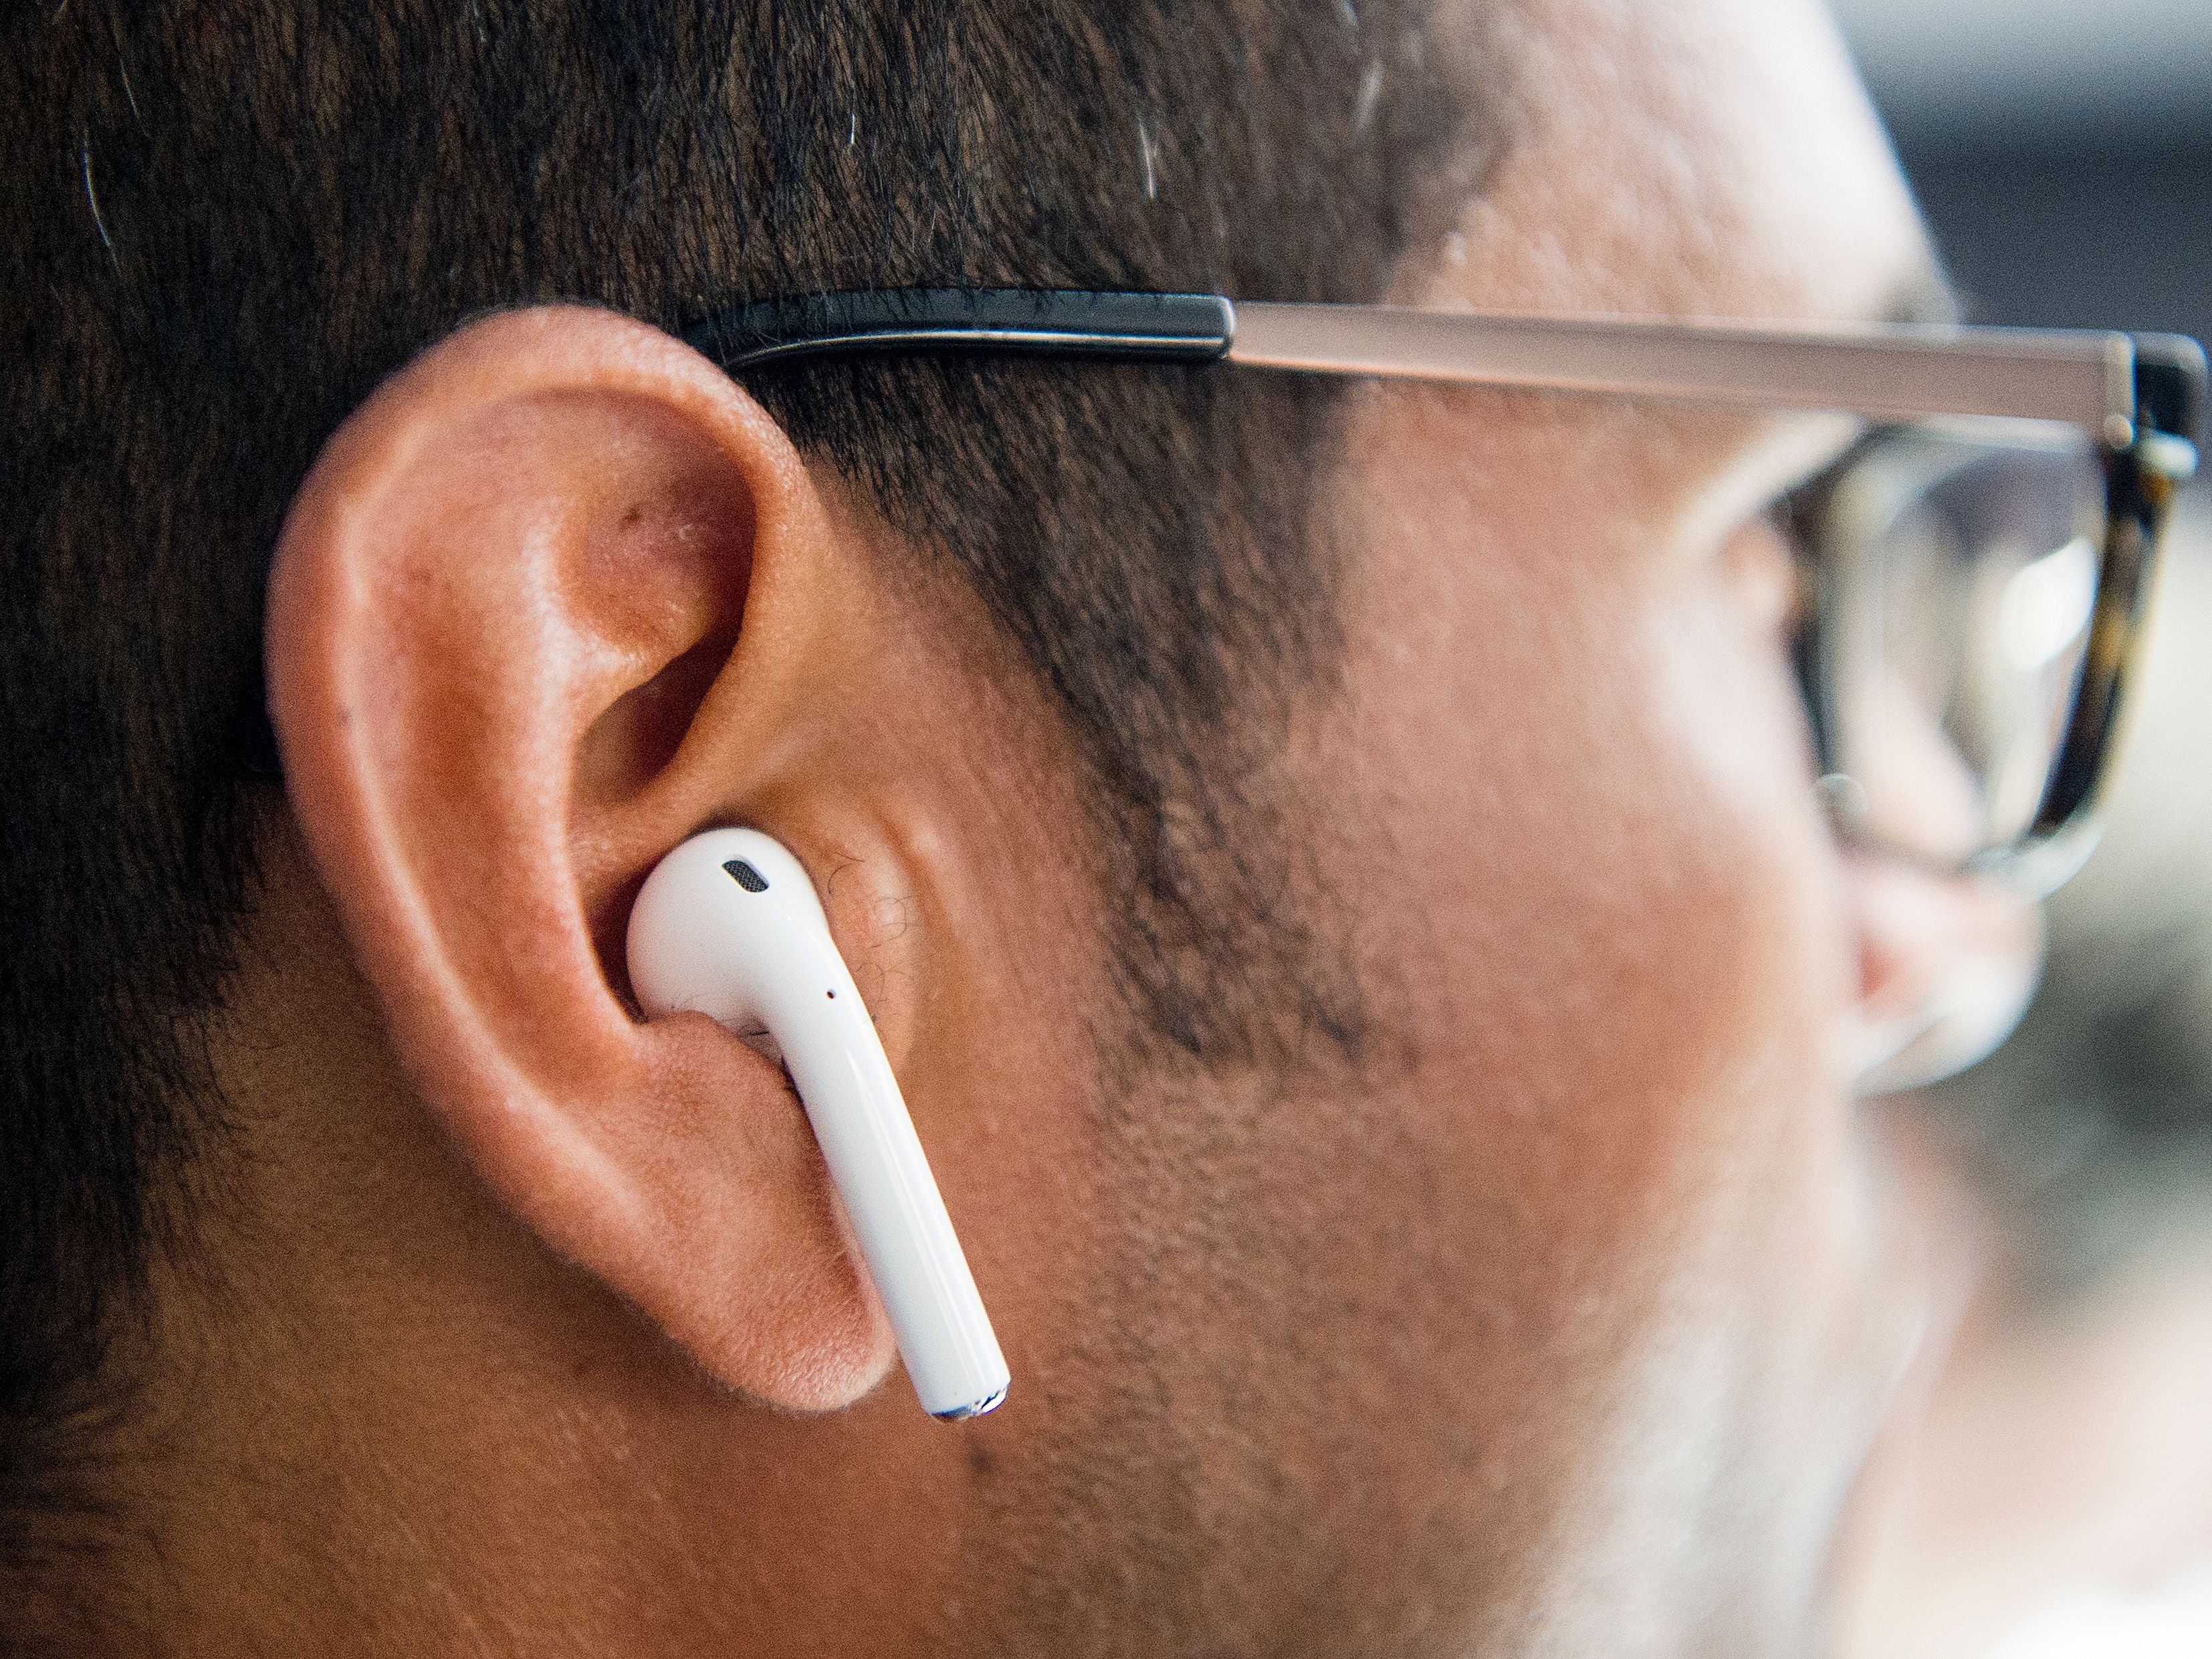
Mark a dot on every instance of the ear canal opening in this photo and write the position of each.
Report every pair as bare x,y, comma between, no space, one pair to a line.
636,736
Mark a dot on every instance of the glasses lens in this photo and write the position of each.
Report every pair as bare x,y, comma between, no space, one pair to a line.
1957,575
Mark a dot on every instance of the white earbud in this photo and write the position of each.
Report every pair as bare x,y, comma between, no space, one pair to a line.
728,924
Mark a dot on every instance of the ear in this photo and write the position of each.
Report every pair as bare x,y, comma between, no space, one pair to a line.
553,600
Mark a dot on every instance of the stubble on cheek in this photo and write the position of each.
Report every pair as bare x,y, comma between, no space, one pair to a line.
1526,1326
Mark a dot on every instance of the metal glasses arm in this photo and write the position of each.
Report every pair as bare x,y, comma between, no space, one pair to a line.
1889,372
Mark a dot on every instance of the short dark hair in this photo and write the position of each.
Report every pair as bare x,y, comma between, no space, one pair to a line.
227,224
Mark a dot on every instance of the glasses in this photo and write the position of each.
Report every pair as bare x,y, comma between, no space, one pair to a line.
1976,562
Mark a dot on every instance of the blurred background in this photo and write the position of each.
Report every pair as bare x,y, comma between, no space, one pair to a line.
2059,1502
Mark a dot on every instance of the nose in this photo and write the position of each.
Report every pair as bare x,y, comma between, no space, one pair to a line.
1947,967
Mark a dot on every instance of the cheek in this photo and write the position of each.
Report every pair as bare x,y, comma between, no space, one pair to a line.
1613,940
1437,1337
1585,770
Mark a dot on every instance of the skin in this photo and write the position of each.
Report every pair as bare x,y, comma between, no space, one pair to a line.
1562,1321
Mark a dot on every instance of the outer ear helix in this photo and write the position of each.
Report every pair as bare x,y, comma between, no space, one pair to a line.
729,925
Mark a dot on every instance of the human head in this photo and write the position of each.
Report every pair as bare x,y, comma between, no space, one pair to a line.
1334,870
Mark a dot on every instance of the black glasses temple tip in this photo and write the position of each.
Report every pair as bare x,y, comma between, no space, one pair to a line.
1194,328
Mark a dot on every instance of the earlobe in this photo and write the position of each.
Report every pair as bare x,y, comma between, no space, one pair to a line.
531,623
